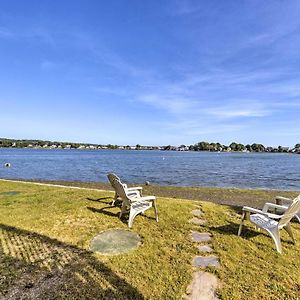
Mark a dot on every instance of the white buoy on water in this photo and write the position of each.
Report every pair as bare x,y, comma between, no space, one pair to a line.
7,165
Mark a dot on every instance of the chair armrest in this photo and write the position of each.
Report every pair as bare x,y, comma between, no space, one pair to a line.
254,210
279,199
133,194
139,188
147,198
272,205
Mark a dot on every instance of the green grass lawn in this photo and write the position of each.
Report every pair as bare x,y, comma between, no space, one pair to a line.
45,234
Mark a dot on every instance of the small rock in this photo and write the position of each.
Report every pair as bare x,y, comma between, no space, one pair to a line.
147,183
197,221
205,248
197,213
206,261
200,237
203,287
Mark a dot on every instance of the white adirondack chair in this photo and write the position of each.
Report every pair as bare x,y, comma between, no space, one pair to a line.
272,223
133,191
286,202
134,204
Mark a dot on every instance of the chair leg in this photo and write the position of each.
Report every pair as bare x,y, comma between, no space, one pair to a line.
114,200
241,224
289,231
123,209
132,215
155,210
276,238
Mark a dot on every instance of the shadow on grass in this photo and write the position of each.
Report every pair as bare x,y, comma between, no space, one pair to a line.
34,266
117,202
237,209
247,233
101,200
104,211
232,229
146,216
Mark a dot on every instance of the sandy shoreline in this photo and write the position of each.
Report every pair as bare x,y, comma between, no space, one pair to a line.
225,196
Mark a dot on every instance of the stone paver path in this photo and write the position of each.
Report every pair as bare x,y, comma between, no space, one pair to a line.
197,213
206,261
197,221
205,248
204,284
202,287
200,237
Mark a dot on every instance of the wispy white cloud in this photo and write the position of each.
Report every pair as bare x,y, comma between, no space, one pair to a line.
198,127
185,7
231,112
110,91
223,90
111,58
198,95
170,103
6,33
101,54
48,65
34,34
41,34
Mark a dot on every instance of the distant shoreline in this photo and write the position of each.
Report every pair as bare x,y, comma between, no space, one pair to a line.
163,150
200,146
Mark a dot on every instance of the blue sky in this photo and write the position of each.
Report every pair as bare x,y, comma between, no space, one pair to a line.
151,72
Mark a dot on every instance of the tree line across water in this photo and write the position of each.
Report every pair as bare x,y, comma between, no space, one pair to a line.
205,146
201,146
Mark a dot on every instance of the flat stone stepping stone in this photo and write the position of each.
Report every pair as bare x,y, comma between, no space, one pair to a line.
115,241
197,221
202,287
205,248
200,237
11,193
206,261
197,213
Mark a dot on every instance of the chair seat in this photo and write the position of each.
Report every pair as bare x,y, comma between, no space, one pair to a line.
140,205
148,198
263,221
273,223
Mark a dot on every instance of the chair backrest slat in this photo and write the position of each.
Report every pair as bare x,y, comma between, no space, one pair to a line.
290,212
111,177
121,191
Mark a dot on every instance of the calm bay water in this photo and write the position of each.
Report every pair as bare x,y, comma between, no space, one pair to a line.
240,170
